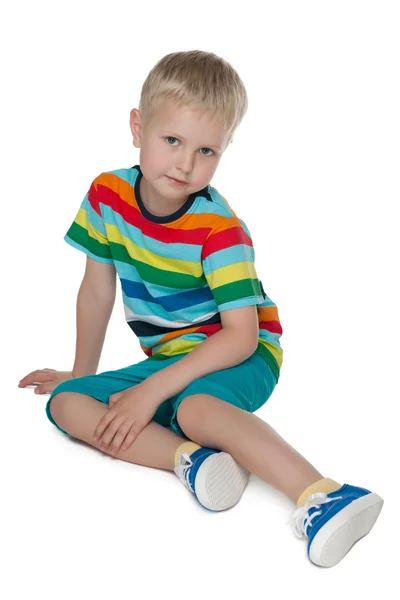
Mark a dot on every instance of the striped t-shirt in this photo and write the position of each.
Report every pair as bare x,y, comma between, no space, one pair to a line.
177,272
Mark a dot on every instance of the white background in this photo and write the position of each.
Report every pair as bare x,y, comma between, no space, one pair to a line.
314,172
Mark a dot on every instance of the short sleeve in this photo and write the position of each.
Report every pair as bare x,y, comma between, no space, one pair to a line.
228,265
88,233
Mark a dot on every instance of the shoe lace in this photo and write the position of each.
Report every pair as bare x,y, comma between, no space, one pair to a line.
301,519
183,469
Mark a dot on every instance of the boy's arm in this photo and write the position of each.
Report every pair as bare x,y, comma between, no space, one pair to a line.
233,344
95,302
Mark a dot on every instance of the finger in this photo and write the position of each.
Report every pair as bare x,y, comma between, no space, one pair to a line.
103,424
45,388
130,438
41,389
28,378
111,431
120,436
46,378
136,428
35,377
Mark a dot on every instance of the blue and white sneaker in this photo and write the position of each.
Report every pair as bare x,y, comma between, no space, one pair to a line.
334,522
215,478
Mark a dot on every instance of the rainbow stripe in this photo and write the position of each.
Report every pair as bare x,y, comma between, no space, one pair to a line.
177,272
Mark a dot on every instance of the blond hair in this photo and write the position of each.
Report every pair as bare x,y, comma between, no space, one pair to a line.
199,80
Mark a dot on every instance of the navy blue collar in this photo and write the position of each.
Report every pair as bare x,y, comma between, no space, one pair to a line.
167,218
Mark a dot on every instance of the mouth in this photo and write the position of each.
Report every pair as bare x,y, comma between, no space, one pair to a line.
177,181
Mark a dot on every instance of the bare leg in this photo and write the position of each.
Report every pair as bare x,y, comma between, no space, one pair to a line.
213,423
78,415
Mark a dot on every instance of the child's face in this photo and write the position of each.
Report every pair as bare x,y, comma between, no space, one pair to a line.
178,143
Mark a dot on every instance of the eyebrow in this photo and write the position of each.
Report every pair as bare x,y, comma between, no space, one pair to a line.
182,138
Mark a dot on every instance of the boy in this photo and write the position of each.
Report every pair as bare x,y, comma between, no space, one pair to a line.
192,297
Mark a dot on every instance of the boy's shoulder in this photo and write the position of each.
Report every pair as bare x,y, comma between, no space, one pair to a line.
220,203
116,176
225,215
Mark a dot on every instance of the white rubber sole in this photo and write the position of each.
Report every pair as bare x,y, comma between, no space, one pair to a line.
220,482
337,536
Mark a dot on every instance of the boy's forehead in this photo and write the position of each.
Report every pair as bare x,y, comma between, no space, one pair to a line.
187,122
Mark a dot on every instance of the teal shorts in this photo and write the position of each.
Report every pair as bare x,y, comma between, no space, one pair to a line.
247,386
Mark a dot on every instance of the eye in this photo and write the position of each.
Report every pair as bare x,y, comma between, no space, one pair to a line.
209,149
170,138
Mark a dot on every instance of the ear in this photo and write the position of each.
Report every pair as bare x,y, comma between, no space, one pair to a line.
136,126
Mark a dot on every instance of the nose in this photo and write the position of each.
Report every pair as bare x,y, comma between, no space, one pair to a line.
184,162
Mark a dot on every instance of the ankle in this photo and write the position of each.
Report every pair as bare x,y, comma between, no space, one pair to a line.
325,485
189,447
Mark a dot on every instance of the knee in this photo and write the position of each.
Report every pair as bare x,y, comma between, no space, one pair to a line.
60,405
193,413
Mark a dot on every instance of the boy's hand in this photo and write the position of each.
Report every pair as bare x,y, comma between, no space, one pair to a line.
46,380
130,412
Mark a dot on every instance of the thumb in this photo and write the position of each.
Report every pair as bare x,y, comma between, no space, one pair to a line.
40,389
114,399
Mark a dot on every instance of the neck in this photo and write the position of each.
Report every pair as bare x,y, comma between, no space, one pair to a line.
152,204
